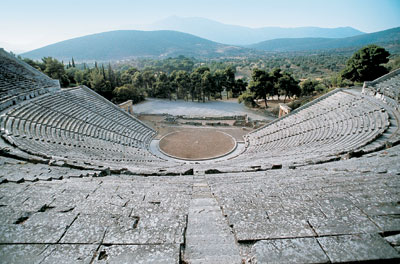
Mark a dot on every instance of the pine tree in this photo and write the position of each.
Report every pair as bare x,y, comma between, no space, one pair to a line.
73,62
366,64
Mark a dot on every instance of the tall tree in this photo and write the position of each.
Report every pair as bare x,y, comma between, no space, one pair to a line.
195,87
103,72
163,86
308,87
137,80
229,81
240,87
148,81
365,64
288,86
206,85
100,85
111,76
55,69
182,80
219,81
275,74
173,85
261,84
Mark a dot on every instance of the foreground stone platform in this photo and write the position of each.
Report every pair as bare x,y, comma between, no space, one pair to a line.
342,212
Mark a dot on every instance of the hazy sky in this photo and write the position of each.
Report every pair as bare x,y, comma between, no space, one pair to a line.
29,24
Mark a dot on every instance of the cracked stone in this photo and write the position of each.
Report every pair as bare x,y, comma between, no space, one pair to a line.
297,250
361,247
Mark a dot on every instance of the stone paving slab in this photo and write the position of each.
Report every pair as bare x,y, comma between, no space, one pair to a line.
249,230
66,254
46,227
361,247
139,254
385,208
387,223
343,224
88,229
297,250
146,229
122,210
22,254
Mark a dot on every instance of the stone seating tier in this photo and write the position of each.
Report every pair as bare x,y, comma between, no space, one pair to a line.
77,124
340,123
19,81
385,88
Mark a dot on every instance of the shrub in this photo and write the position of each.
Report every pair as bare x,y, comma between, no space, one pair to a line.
248,99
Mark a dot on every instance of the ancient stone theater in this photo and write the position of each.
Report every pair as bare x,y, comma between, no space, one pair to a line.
79,182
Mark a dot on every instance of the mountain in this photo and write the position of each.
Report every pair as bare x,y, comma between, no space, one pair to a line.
388,38
238,35
130,44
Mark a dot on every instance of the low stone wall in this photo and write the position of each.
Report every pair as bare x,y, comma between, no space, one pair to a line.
127,106
244,117
193,123
284,110
216,124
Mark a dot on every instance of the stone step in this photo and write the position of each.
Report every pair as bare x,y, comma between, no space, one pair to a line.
209,239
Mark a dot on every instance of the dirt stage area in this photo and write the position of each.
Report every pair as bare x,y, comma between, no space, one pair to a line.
197,144
158,123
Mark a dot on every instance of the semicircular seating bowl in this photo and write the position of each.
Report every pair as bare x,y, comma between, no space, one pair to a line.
78,124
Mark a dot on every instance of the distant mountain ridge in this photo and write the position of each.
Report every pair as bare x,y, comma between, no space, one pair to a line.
239,35
386,37
131,44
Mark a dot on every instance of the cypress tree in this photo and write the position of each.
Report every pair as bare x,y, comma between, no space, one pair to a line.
103,72
111,76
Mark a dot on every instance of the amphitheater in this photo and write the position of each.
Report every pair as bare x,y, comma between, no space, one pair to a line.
80,183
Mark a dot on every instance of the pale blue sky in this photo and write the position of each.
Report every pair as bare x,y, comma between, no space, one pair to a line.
28,24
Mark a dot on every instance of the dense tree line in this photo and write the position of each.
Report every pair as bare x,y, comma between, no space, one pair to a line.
180,81
188,79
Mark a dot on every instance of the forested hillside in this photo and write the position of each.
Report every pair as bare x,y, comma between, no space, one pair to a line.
132,44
